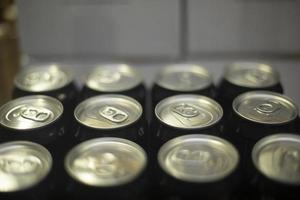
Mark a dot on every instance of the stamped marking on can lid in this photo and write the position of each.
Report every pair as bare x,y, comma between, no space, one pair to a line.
30,112
43,78
278,158
106,162
252,75
23,165
188,111
198,158
108,111
184,77
265,107
113,78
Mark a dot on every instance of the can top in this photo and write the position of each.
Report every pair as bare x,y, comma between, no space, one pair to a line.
184,77
43,78
198,158
265,107
23,165
188,111
108,111
278,158
106,162
30,112
113,78
251,75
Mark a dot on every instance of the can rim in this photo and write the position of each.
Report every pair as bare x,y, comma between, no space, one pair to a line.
83,146
240,65
268,140
45,97
43,66
287,99
184,67
175,141
37,147
127,98
160,104
133,71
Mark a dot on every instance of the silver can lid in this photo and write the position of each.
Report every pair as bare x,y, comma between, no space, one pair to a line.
184,77
30,112
251,75
43,78
198,158
278,158
265,107
189,111
108,111
23,165
113,78
106,162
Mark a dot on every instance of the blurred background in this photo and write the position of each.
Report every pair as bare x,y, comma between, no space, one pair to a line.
150,33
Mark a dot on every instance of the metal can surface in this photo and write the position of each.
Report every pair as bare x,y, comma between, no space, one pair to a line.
115,78
258,114
48,79
25,169
276,160
243,77
106,168
36,118
186,114
182,79
198,166
111,115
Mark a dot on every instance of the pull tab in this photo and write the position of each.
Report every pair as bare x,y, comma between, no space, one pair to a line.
268,108
185,110
256,76
185,79
113,114
37,77
15,166
108,76
35,114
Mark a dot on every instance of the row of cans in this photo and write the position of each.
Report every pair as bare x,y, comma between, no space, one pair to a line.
185,155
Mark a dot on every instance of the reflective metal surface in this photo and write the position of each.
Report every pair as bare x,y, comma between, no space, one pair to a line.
113,78
184,77
22,165
252,75
108,111
198,158
30,112
106,162
43,78
188,111
265,107
278,158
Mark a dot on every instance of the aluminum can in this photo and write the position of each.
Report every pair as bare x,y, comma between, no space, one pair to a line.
25,169
198,166
106,168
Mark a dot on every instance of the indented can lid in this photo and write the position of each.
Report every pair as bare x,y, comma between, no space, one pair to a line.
43,78
108,111
278,158
106,162
184,77
252,75
30,112
188,111
198,158
113,78
23,165
265,107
